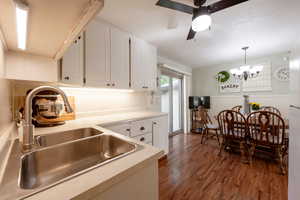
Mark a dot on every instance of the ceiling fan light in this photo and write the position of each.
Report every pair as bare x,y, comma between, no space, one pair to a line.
201,23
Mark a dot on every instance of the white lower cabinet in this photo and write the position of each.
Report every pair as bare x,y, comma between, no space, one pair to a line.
153,131
130,187
123,129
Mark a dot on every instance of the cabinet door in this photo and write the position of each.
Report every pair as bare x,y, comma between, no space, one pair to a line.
119,59
160,133
97,69
143,65
123,129
150,58
72,64
137,73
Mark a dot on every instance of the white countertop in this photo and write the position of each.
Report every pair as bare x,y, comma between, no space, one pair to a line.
102,120
104,176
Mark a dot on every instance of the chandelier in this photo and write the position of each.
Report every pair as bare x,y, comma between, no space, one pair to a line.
246,71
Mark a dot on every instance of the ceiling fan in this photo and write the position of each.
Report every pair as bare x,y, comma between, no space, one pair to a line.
201,14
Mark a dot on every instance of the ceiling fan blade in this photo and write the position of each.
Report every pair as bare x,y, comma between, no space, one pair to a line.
221,5
175,6
199,2
191,34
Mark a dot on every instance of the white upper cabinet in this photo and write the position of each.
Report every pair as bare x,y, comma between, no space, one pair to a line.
120,58
73,63
143,65
110,58
97,55
107,56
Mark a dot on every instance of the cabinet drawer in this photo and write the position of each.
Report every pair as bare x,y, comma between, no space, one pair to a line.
146,138
141,127
123,129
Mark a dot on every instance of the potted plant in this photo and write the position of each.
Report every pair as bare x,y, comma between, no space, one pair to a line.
255,106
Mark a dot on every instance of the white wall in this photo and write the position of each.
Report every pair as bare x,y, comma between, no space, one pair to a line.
96,101
5,112
93,101
205,84
5,105
25,66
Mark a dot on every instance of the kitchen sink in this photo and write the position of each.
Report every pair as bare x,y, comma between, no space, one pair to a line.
53,164
67,136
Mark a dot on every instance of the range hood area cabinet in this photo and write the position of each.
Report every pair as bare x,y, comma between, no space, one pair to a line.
113,59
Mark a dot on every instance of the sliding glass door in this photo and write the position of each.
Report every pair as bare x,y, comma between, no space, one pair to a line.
171,100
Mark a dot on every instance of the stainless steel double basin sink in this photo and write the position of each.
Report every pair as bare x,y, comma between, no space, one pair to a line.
60,156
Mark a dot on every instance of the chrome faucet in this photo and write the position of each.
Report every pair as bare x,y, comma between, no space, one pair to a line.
28,127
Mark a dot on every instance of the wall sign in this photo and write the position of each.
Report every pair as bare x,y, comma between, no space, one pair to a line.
227,83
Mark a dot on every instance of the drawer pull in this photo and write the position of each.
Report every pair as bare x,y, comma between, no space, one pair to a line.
142,128
128,129
142,139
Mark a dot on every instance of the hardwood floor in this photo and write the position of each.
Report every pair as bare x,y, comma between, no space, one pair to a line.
194,171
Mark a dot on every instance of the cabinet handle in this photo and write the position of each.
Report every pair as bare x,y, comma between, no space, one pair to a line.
154,123
67,78
107,84
128,129
145,87
113,84
142,128
142,139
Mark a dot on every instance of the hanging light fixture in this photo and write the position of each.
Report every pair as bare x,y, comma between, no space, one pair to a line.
246,71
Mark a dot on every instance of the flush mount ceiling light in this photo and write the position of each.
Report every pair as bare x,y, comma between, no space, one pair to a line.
201,20
21,22
246,71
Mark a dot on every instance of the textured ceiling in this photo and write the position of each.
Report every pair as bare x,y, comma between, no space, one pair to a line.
267,26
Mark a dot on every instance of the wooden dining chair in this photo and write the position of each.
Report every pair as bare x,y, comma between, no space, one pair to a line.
271,109
267,134
233,127
237,108
207,125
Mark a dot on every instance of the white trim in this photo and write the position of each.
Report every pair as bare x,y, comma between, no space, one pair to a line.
5,138
174,69
2,39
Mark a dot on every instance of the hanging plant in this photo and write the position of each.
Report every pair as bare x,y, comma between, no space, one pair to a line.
223,76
